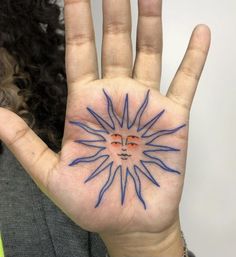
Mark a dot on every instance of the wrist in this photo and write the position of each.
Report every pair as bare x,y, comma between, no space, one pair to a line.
168,243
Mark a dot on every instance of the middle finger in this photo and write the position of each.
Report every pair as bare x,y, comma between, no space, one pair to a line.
147,69
117,45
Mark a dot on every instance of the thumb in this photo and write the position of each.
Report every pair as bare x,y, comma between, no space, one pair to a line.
33,154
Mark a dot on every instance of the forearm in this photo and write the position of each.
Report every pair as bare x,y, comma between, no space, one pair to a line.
168,243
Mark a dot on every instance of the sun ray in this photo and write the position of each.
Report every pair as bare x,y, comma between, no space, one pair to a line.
123,183
161,148
103,166
88,129
150,124
125,113
140,112
107,185
104,124
91,143
164,132
160,163
138,187
110,109
146,173
88,159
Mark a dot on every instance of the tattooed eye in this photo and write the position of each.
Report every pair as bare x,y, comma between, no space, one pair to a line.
116,143
132,144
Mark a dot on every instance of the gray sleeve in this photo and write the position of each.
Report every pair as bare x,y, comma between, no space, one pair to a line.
32,225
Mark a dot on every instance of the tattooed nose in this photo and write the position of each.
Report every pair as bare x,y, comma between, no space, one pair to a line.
123,149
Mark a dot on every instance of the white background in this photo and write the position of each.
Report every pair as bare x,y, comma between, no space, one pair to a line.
208,208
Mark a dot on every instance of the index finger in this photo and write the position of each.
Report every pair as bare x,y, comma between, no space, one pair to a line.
184,84
81,56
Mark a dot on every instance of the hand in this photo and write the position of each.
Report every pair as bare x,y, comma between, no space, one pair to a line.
121,168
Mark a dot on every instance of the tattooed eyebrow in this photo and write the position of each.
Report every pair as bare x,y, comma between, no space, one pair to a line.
116,135
133,137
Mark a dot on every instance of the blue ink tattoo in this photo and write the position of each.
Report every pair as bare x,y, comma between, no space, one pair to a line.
118,150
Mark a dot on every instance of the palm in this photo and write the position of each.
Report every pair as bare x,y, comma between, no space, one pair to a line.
120,194
93,176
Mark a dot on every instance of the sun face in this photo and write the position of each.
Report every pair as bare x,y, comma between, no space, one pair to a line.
125,148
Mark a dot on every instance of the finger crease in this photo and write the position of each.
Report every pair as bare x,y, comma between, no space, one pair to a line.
158,16
189,73
80,39
69,2
198,49
19,135
40,155
148,49
178,100
116,28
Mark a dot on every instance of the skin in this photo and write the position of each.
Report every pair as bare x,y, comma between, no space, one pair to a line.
127,230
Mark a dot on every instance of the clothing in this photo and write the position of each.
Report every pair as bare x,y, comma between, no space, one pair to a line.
31,225
1,246
190,254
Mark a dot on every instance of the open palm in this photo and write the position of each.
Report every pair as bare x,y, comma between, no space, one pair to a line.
122,163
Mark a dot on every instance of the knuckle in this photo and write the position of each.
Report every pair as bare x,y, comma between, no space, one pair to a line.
151,15
190,73
68,2
40,156
39,161
19,134
49,175
146,48
198,50
116,28
80,39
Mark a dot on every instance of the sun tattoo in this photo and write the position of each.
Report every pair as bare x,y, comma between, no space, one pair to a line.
125,147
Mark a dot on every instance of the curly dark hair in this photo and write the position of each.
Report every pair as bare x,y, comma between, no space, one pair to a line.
32,32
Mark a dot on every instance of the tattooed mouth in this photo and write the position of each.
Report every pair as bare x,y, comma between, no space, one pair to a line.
124,155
